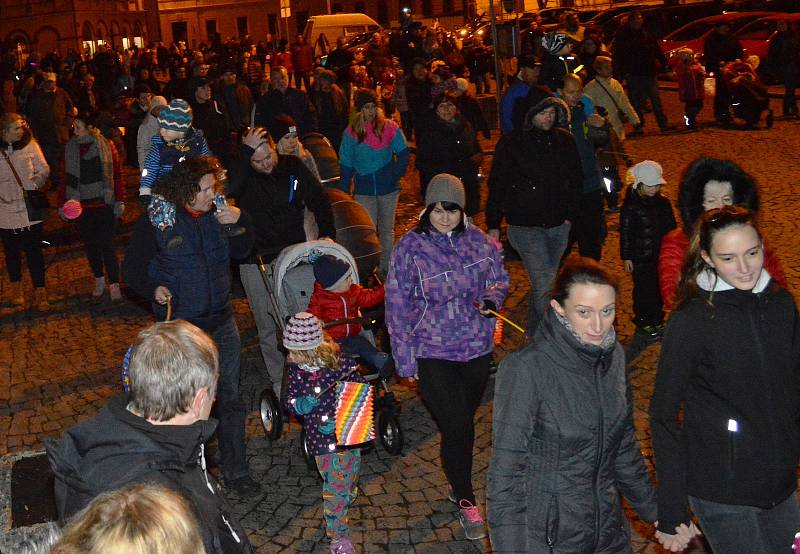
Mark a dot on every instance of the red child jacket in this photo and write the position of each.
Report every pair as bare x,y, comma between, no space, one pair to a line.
330,306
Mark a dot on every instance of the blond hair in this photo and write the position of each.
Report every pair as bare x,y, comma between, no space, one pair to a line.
141,519
359,126
324,355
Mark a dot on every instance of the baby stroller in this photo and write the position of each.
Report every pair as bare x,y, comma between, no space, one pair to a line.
749,96
290,290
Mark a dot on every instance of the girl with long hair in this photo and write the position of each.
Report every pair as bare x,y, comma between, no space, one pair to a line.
724,415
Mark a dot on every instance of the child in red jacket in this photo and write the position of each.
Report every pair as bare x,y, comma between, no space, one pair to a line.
336,298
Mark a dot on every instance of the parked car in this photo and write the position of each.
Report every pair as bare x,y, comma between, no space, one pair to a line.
662,20
693,35
756,38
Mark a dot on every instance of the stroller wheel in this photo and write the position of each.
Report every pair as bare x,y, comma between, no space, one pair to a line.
271,415
390,432
309,458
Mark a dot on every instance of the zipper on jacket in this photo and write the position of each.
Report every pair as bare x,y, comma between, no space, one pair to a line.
233,533
346,315
599,454
551,523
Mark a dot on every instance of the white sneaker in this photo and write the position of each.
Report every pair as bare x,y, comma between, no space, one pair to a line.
113,289
99,286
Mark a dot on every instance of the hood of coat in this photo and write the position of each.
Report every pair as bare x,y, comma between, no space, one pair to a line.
569,350
27,137
119,443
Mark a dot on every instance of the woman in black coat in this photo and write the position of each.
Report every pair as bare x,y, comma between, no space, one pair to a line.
564,448
449,146
729,364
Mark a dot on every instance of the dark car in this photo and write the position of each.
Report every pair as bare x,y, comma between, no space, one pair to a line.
662,20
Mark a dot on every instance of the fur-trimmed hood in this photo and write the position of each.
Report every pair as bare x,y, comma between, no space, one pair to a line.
539,99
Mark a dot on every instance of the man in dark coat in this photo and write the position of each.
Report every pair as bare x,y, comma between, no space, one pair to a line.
210,117
276,191
535,183
282,99
721,47
186,266
638,59
155,435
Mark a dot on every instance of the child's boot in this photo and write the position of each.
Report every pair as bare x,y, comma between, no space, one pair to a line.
342,545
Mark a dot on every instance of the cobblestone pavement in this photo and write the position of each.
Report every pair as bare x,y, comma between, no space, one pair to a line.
61,367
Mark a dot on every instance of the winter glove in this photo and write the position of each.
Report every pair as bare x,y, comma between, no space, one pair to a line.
61,214
161,212
327,427
387,370
305,404
119,209
487,305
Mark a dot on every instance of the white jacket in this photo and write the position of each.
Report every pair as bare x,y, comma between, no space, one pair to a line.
33,171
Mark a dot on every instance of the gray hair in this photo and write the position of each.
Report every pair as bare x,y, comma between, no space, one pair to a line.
171,361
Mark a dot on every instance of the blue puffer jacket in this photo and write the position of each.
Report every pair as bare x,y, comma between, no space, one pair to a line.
195,268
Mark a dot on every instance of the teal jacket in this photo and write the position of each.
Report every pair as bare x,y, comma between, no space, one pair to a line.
377,163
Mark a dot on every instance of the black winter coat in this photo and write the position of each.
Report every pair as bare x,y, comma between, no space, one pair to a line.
643,222
535,180
736,360
564,449
276,203
449,148
636,52
117,448
293,103
721,48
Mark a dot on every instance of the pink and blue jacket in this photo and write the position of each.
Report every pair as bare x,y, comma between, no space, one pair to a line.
434,282
377,163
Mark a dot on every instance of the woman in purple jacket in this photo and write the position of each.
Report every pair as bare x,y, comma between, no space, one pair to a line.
444,276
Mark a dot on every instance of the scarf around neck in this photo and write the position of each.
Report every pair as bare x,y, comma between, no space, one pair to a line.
98,146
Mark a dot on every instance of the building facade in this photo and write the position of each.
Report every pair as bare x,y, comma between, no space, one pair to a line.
47,25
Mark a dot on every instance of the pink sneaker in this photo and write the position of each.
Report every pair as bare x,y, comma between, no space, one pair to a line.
342,546
471,520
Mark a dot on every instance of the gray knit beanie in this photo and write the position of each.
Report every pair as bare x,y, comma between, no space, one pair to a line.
445,188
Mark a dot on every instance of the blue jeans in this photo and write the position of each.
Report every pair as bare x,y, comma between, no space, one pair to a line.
733,529
642,87
541,250
381,210
230,409
359,344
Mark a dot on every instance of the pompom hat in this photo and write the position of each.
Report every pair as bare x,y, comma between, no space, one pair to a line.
303,332
176,116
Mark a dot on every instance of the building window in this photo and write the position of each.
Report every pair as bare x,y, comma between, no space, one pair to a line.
179,31
427,8
301,18
359,8
211,29
272,23
241,25
337,8
447,6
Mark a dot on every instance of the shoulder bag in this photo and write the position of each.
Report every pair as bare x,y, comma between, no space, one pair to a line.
36,202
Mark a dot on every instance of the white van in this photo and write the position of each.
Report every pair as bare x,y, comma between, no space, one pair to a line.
338,25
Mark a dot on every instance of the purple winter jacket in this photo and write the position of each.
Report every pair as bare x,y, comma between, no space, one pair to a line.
433,285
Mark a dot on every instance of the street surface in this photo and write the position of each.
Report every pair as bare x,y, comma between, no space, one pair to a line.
61,367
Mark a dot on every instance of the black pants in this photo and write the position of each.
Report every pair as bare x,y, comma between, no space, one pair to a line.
647,305
452,391
722,99
302,77
96,228
588,229
16,241
789,99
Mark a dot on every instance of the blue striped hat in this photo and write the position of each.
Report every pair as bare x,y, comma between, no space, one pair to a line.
176,116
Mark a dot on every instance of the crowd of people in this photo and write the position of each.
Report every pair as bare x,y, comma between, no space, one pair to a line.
228,122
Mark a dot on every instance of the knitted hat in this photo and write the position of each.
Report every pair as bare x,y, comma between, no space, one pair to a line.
280,126
445,188
177,116
303,332
198,82
365,96
648,172
330,271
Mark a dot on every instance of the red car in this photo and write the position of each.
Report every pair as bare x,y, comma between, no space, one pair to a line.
757,35
693,35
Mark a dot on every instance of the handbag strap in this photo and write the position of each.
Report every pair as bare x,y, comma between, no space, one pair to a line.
609,94
13,170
